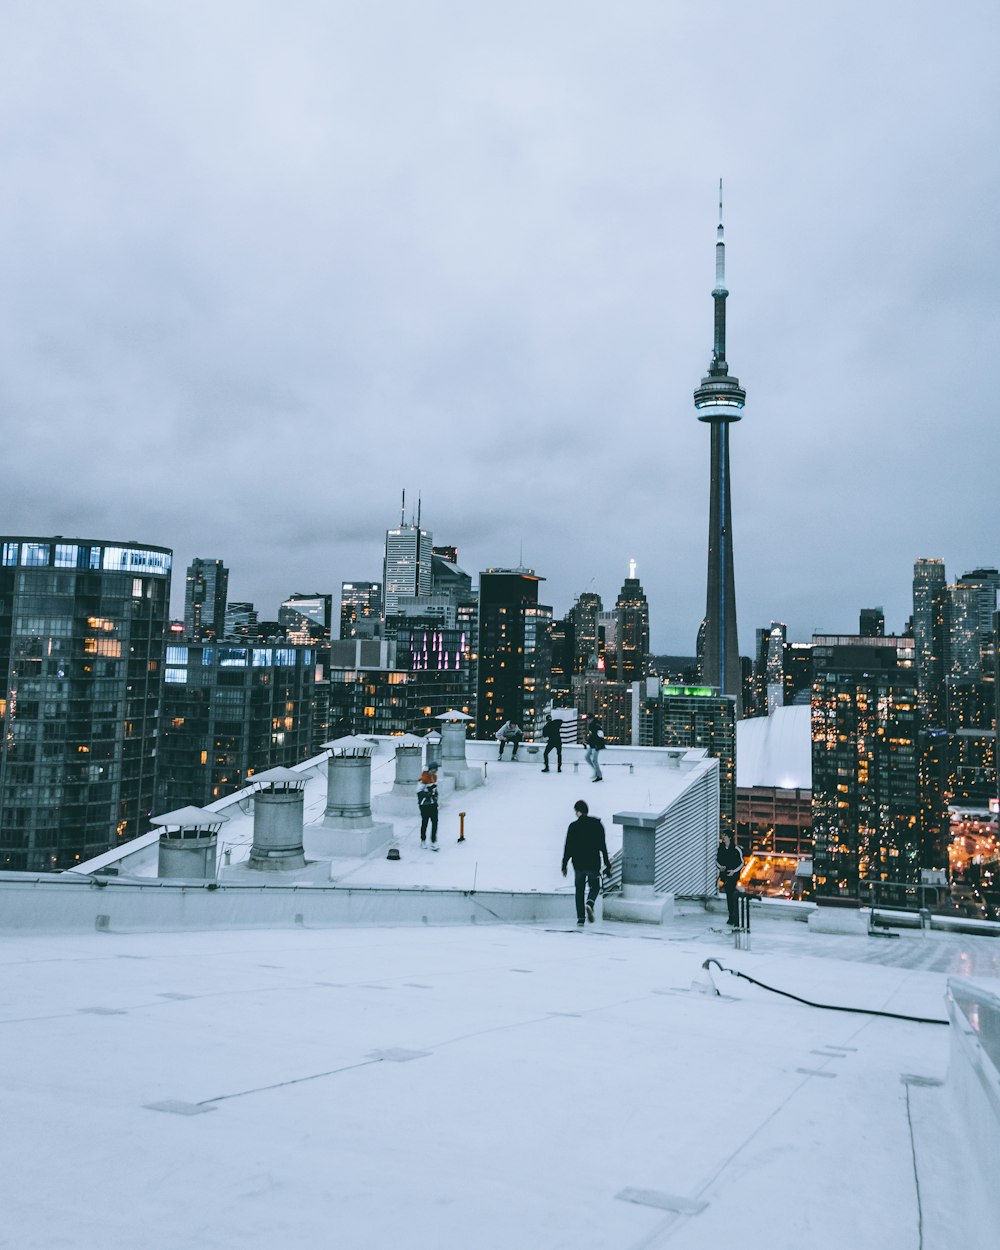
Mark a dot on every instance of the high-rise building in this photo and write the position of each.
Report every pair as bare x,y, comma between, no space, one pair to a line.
360,609
584,616
307,618
690,716
872,623
82,625
719,401
598,697
205,594
962,657
406,570
514,655
987,582
563,648
363,691
930,600
230,711
866,777
439,662
241,622
768,669
774,673
632,632
798,672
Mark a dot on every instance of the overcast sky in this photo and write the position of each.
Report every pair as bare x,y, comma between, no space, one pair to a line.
263,265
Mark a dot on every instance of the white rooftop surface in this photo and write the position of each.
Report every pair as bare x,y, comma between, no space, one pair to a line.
488,1087
775,750
485,1085
515,822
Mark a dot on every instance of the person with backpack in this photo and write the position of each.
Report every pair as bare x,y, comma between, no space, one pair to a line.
427,803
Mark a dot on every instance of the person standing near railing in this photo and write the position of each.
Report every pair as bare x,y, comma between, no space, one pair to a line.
730,864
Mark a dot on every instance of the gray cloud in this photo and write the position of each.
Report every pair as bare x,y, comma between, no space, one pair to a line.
265,265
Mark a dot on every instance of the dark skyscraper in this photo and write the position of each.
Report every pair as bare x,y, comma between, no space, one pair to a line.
514,651
872,623
360,609
868,799
719,402
632,638
930,635
205,594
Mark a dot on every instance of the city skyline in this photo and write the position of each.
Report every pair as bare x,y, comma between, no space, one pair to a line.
269,272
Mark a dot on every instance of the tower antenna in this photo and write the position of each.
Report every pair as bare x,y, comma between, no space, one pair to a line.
402,510
719,402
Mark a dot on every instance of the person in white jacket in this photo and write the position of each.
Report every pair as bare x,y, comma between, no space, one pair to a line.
509,731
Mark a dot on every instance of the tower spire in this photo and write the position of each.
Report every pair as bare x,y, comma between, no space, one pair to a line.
719,402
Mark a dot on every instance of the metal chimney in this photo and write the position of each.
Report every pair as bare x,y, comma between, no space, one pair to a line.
453,761
188,846
277,821
348,827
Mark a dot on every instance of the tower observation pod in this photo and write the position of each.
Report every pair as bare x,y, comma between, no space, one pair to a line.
719,402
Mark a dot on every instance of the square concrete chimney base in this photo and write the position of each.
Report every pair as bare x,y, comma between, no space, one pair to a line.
639,904
839,920
326,841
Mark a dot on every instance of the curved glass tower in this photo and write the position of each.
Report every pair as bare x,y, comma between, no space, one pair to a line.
82,627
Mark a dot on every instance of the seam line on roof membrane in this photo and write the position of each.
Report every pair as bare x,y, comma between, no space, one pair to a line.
662,1201
296,1080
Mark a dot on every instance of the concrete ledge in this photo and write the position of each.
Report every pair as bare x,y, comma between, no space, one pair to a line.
639,904
839,920
974,1077
65,905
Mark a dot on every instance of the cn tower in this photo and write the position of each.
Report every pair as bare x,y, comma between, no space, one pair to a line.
719,401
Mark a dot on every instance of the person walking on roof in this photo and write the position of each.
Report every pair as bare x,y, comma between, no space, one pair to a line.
595,744
552,733
730,864
427,803
586,846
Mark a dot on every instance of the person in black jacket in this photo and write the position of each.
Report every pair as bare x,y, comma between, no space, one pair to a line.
586,846
730,863
552,733
427,802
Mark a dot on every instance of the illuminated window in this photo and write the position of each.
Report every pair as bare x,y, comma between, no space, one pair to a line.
66,555
35,555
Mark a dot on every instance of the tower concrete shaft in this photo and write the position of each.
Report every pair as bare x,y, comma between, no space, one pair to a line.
719,402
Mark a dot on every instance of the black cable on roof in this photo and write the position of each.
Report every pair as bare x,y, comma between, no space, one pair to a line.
861,1011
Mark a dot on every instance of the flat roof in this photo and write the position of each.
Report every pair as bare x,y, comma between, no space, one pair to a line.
499,1087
